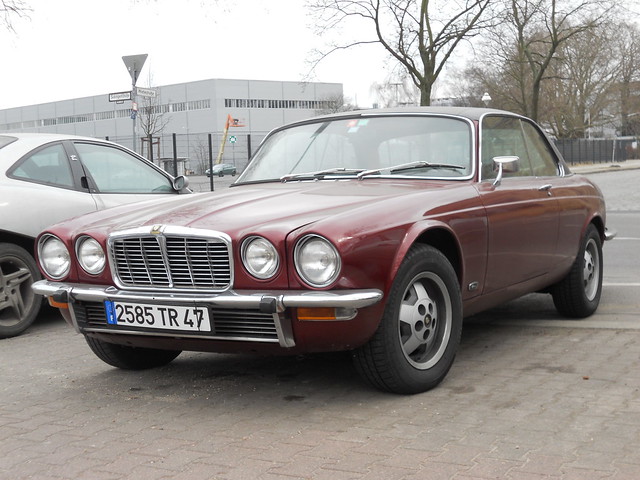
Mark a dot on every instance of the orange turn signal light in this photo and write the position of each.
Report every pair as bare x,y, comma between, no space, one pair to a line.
325,314
55,304
317,314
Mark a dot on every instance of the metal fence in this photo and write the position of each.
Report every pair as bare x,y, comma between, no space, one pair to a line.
598,150
192,153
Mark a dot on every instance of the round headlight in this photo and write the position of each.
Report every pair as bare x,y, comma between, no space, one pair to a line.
317,261
54,257
90,255
260,257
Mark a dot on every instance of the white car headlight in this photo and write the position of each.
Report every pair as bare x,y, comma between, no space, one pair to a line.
317,261
90,255
54,257
260,257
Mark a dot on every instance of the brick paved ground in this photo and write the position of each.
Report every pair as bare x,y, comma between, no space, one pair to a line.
521,402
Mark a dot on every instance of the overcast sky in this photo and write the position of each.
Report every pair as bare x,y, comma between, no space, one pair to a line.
74,48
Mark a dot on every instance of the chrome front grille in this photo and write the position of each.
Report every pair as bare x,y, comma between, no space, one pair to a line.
171,258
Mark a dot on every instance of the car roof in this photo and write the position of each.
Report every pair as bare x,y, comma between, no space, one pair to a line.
20,144
25,142
469,113
45,137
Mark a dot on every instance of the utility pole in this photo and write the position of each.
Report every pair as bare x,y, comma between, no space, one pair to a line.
134,64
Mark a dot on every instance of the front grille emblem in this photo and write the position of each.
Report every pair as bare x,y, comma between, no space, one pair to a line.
156,230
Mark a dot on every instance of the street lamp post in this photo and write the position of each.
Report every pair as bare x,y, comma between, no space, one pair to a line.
134,64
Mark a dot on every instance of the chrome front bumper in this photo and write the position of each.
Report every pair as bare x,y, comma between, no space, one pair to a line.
271,302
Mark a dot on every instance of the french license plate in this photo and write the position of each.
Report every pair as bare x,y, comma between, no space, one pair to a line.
167,317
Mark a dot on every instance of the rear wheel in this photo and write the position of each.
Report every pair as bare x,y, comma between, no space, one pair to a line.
19,306
418,337
578,294
130,358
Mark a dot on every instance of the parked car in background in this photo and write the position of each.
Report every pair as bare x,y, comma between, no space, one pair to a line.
46,178
221,170
374,231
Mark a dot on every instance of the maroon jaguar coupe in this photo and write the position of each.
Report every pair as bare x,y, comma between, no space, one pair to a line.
373,231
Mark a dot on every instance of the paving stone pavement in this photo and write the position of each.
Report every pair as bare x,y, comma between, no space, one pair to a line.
521,402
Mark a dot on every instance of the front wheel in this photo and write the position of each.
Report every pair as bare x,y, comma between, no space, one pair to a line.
578,294
19,306
130,358
418,336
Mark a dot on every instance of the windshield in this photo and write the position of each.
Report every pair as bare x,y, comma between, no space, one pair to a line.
422,146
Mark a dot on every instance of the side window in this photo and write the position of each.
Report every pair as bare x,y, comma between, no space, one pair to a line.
543,161
117,171
48,165
503,136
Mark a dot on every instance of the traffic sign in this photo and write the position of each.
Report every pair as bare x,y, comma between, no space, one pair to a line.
232,139
146,92
119,96
134,64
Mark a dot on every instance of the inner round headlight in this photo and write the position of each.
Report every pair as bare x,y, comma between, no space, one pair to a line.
90,255
54,257
260,257
317,261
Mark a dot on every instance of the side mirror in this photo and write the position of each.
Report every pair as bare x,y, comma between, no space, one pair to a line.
506,164
180,182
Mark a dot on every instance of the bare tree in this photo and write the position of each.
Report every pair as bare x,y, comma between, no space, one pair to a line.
579,90
420,36
398,93
531,38
9,9
152,116
335,104
627,53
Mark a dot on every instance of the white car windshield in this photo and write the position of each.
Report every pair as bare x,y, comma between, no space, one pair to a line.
403,145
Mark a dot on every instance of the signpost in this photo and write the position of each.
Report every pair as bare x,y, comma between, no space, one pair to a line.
134,64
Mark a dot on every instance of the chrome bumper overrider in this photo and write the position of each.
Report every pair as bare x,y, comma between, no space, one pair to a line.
609,234
271,302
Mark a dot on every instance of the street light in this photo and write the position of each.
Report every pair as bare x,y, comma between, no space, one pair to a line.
134,64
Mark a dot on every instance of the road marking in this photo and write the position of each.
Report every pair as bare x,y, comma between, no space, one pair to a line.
628,284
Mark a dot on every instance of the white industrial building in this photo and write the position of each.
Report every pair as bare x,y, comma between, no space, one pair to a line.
190,116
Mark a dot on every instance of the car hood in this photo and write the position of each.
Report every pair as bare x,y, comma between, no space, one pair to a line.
278,206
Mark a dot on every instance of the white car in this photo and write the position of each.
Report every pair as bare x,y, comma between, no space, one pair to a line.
47,178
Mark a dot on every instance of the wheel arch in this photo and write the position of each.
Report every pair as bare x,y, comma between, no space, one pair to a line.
446,242
20,240
598,222
438,236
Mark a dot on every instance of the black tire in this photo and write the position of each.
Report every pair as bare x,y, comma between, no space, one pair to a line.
130,358
578,294
221,174
418,336
19,306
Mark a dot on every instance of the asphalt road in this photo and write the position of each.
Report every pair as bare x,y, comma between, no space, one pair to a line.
530,396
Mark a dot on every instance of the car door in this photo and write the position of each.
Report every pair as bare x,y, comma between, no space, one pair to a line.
116,176
522,212
44,188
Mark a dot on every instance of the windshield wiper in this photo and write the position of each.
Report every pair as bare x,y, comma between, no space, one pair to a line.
320,174
409,166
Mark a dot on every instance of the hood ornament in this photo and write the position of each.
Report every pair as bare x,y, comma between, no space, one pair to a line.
157,229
